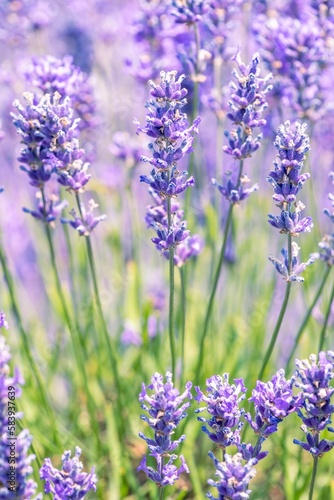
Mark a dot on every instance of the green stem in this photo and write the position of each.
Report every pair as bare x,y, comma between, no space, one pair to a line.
111,353
314,474
183,319
307,316
280,317
26,344
161,494
171,295
74,330
213,293
324,328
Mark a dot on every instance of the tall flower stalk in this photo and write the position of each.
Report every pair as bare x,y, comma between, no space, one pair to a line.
173,139
247,103
166,408
287,180
313,377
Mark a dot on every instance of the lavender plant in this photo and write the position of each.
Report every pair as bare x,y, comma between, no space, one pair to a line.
166,410
173,139
287,180
69,482
314,377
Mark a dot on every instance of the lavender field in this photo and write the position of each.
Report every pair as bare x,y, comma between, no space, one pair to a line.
166,249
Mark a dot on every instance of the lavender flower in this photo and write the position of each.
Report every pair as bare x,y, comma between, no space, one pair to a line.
189,11
49,211
173,140
232,192
222,401
48,132
86,221
295,51
177,236
247,103
16,484
3,321
273,401
291,271
313,377
292,144
51,75
69,482
166,409
233,478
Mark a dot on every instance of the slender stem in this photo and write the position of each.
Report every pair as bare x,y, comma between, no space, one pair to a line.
324,328
111,353
213,293
26,344
280,317
171,294
183,319
308,315
161,493
73,329
314,473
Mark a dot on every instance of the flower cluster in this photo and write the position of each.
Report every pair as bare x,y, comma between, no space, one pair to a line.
222,401
173,139
51,75
273,401
233,477
69,482
51,152
189,11
185,246
166,408
247,103
292,144
313,377
292,269
295,51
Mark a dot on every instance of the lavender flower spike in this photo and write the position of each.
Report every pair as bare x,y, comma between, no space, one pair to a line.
313,377
296,267
222,401
166,409
86,221
3,322
233,478
70,483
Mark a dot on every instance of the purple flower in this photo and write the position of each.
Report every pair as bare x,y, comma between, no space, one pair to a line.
166,408
295,51
188,248
166,474
21,485
248,96
166,184
234,193
326,253
86,221
169,238
3,322
130,336
233,477
291,222
189,11
273,401
49,211
313,377
75,177
292,274
51,75
48,132
69,482
222,401
330,214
